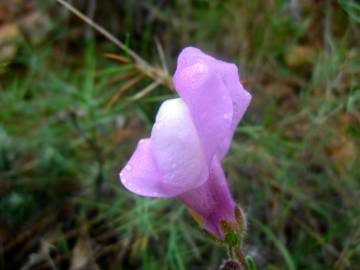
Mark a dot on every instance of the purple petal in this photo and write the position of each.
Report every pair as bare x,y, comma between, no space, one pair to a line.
213,200
200,85
177,148
141,175
240,100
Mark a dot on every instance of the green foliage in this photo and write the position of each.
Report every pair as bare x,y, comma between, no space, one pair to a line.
293,165
352,8
251,263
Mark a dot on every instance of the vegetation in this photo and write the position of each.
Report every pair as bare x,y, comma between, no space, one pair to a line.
73,106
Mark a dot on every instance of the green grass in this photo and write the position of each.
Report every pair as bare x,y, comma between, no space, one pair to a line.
293,165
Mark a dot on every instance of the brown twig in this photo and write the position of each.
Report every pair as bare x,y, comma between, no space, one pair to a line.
123,89
104,32
152,72
119,58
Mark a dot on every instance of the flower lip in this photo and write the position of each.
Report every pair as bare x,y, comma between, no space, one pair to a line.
212,86
192,76
141,175
177,148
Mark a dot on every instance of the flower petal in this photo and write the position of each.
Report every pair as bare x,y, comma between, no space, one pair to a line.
212,201
240,100
177,148
199,83
141,175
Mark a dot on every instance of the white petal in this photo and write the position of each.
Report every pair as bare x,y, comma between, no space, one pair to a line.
177,148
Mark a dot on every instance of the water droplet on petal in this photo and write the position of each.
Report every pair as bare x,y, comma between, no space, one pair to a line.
128,167
235,108
226,116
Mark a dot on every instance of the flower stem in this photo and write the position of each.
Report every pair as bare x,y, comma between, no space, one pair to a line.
230,251
240,256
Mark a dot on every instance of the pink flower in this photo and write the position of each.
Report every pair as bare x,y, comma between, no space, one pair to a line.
190,137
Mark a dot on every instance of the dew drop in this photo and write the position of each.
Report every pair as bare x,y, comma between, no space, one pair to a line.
226,116
128,167
235,108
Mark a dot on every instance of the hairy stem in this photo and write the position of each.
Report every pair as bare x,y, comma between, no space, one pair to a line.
240,256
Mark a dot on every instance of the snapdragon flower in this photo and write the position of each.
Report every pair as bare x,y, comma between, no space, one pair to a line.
190,137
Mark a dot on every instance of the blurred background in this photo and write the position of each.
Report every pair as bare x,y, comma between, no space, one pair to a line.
73,105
